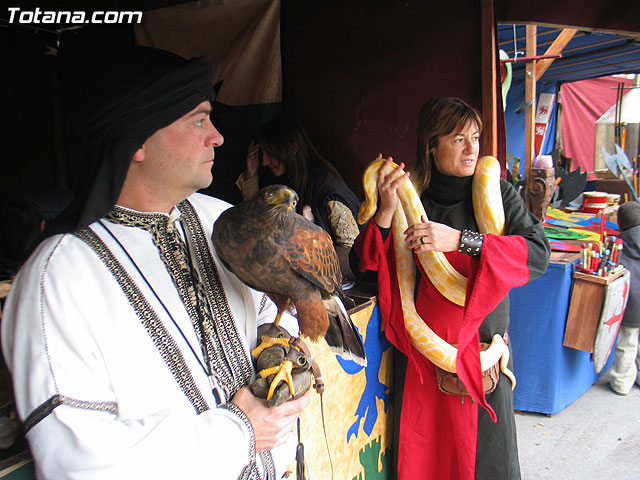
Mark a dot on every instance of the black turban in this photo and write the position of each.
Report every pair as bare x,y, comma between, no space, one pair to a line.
124,97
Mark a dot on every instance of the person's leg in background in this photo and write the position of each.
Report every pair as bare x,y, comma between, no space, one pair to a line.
625,369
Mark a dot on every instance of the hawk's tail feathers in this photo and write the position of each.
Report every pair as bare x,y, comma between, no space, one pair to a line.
342,336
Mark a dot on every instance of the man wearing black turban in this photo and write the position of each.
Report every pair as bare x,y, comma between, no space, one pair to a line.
127,339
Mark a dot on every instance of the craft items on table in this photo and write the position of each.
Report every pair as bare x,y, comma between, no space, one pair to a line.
600,259
594,202
563,227
559,246
613,199
543,161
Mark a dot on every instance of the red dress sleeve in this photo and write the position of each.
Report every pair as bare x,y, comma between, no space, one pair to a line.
501,267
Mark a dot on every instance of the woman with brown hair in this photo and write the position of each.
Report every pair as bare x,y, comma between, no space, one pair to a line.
444,434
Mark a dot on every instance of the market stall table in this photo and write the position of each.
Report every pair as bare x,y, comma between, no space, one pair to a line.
550,376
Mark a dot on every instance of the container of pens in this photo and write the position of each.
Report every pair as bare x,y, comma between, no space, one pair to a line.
601,258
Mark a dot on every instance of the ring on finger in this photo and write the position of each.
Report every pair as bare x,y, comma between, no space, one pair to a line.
422,241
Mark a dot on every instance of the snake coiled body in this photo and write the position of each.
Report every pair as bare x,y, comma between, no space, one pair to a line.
489,212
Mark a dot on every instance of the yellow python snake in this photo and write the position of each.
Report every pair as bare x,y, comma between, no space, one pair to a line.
487,203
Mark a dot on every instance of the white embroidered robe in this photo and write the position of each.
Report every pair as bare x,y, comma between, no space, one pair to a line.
69,333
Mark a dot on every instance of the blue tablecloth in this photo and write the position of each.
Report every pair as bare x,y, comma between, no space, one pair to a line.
549,376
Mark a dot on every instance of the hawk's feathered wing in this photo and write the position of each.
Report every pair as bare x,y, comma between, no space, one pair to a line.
273,249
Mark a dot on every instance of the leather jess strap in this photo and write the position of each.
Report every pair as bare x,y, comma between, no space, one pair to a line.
315,368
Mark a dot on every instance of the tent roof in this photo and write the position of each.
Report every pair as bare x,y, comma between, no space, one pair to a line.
589,54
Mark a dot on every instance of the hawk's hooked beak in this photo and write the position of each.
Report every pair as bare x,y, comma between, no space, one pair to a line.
282,197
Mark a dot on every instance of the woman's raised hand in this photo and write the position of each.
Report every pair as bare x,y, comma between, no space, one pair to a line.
388,181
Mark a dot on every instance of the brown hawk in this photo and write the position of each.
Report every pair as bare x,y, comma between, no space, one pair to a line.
273,249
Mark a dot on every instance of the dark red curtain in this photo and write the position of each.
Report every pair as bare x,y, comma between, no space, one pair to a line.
356,73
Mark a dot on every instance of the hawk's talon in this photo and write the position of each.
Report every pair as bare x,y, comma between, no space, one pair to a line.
266,342
283,373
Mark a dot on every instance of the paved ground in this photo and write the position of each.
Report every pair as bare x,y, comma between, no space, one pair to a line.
596,437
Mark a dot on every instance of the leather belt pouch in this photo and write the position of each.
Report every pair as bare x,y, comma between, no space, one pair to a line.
450,383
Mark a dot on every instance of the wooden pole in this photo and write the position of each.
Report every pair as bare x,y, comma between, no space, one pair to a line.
557,46
489,80
530,96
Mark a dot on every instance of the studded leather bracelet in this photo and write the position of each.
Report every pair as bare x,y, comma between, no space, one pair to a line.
471,243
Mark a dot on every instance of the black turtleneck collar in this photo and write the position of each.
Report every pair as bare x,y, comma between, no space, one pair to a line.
446,190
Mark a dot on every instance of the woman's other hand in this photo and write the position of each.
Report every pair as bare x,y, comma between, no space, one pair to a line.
388,181
432,236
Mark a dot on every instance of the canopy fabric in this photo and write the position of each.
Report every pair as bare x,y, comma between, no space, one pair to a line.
583,103
241,38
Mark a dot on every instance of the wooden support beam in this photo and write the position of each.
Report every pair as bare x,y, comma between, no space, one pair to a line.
530,95
556,47
489,80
